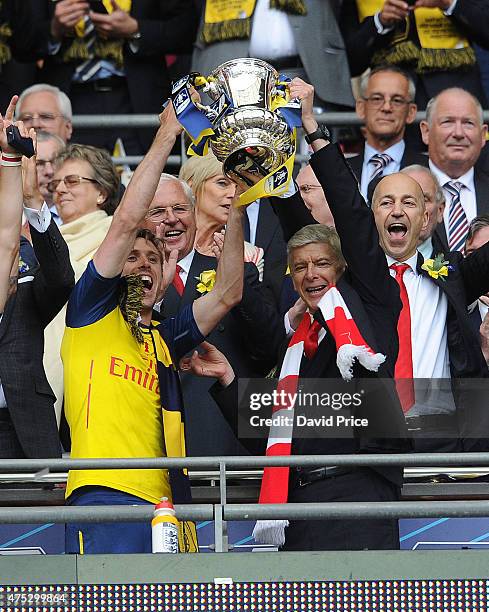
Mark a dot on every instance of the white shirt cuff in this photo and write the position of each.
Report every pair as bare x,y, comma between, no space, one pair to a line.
451,8
39,219
288,328
381,29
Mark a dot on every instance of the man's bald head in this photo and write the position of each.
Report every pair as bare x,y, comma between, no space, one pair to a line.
400,214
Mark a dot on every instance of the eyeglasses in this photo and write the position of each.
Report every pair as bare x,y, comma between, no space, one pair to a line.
70,181
45,118
378,100
308,188
179,210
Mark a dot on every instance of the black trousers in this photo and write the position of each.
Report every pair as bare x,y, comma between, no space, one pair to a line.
10,447
91,99
364,485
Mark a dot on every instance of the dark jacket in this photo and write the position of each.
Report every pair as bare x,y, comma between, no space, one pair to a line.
249,336
362,40
166,26
370,293
41,293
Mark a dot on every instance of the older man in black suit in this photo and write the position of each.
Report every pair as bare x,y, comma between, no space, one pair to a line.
455,133
249,334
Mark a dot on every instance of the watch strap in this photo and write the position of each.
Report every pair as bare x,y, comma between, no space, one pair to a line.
321,132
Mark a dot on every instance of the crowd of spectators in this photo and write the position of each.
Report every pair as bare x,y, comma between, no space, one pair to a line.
106,292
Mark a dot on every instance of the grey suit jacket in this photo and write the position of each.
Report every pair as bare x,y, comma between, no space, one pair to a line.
319,44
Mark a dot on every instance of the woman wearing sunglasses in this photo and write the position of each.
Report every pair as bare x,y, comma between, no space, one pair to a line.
85,188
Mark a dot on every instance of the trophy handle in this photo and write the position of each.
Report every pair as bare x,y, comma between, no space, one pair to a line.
281,89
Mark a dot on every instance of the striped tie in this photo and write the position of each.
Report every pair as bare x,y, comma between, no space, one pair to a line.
90,67
458,225
379,161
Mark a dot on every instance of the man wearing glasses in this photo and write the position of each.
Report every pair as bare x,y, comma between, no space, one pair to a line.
48,147
245,335
46,108
386,105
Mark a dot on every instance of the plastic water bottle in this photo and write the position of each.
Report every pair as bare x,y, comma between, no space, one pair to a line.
164,528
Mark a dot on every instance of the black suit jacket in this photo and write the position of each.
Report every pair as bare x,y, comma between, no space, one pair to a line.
362,40
467,279
166,26
481,184
466,282
270,238
41,293
249,336
370,293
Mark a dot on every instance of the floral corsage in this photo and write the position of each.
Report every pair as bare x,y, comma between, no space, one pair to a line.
206,280
438,267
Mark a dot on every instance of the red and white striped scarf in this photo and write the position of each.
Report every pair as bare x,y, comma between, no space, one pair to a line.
350,345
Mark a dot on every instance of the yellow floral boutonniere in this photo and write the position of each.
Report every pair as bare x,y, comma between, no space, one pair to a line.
206,280
437,268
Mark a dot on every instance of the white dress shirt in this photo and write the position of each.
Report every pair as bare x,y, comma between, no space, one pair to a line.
467,194
271,34
428,306
396,152
426,248
252,212
185,264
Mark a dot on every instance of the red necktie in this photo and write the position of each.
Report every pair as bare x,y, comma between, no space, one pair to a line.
177,281
311,340
404,365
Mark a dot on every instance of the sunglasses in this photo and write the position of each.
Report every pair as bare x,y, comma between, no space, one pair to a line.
70,181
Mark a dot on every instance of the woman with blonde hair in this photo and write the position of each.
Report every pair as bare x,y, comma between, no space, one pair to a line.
214,193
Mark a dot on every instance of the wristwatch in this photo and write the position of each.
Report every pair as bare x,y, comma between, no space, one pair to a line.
321,132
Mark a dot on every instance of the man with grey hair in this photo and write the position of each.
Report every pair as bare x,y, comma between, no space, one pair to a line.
247,334
455,134
429,244
45,107
48,147
386,105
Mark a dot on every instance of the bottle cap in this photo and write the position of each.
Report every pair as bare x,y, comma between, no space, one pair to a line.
164,503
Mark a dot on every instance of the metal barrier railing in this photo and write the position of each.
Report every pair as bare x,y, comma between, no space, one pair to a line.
151,121
222,512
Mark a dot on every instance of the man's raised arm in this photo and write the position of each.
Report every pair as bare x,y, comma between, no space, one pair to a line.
10,203
128,218
228,289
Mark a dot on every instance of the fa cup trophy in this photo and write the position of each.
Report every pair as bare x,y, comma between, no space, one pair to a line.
249,124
